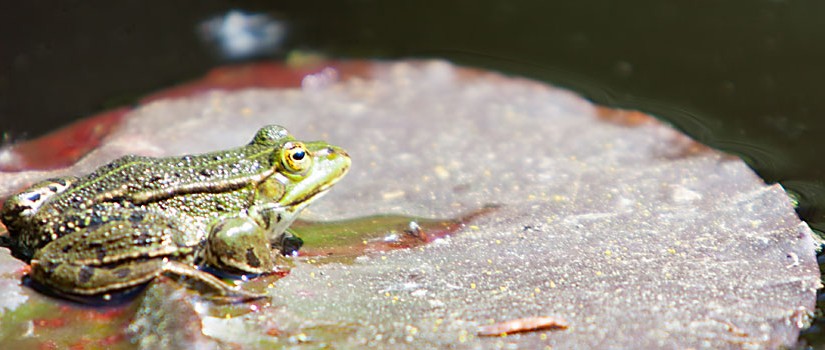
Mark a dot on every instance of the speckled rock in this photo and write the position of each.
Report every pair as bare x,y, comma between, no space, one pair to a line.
610,220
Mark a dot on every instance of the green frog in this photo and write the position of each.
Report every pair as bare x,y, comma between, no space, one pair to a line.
138,217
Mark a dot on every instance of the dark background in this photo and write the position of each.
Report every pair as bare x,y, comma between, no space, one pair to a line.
742,76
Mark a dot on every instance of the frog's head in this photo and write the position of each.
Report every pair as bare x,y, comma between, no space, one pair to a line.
304,171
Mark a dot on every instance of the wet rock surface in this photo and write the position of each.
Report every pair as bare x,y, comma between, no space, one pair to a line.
619,225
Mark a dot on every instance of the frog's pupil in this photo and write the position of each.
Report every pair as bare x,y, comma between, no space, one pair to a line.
298,155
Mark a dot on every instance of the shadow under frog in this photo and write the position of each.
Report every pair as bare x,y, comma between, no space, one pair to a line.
136,218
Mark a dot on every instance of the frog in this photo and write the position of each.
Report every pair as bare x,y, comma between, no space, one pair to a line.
138,217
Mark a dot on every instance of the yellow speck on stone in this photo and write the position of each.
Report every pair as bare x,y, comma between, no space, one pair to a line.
503,288
441,172
489,261
543,336
531,197
671,250
392,194
498,241
312,274
503,335
537,290
552,284
598,273
608,252
246,111
226,316
472,286
462,337
383,257
312,261
364,241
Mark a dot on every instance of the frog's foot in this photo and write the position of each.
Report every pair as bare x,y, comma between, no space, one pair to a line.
288,243
215,289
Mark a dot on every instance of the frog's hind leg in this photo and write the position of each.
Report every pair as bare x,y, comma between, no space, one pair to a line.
71,278
220,290
119,254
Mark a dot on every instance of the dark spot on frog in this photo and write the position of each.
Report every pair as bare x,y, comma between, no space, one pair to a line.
34,197
122,272
101,254
206,172
94,221
136,217
53,188
251,258
85,274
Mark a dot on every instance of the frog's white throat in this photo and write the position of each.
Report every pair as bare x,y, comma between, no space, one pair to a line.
278,217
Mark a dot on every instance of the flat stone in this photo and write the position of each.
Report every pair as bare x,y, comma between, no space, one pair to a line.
621,226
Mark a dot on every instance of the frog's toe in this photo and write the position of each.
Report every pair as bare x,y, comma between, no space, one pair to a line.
210,286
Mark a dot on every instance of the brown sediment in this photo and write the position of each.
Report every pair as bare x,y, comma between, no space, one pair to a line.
527,324
623,117
66,145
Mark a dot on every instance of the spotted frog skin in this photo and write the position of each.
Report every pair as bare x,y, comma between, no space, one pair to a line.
138,217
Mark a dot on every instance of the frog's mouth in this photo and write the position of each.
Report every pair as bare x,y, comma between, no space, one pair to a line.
301,203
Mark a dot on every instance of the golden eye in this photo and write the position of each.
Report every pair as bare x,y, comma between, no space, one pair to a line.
295,157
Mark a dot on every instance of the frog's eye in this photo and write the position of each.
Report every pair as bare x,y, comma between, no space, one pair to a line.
295,157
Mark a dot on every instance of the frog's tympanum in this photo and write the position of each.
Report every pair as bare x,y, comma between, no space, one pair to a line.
138,217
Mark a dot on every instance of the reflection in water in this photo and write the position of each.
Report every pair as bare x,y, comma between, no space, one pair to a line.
240,35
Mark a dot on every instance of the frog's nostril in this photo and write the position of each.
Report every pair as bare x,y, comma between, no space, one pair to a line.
332,151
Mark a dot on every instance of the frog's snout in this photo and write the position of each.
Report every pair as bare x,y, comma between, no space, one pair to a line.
332,151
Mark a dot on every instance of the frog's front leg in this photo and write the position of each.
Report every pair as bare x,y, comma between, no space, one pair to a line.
239,245
121,253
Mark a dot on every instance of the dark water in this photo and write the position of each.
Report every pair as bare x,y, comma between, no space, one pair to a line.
742,76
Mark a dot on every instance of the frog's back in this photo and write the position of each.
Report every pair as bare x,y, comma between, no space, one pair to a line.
56,207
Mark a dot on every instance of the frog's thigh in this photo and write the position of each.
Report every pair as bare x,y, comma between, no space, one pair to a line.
87,280
113,255
239,244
